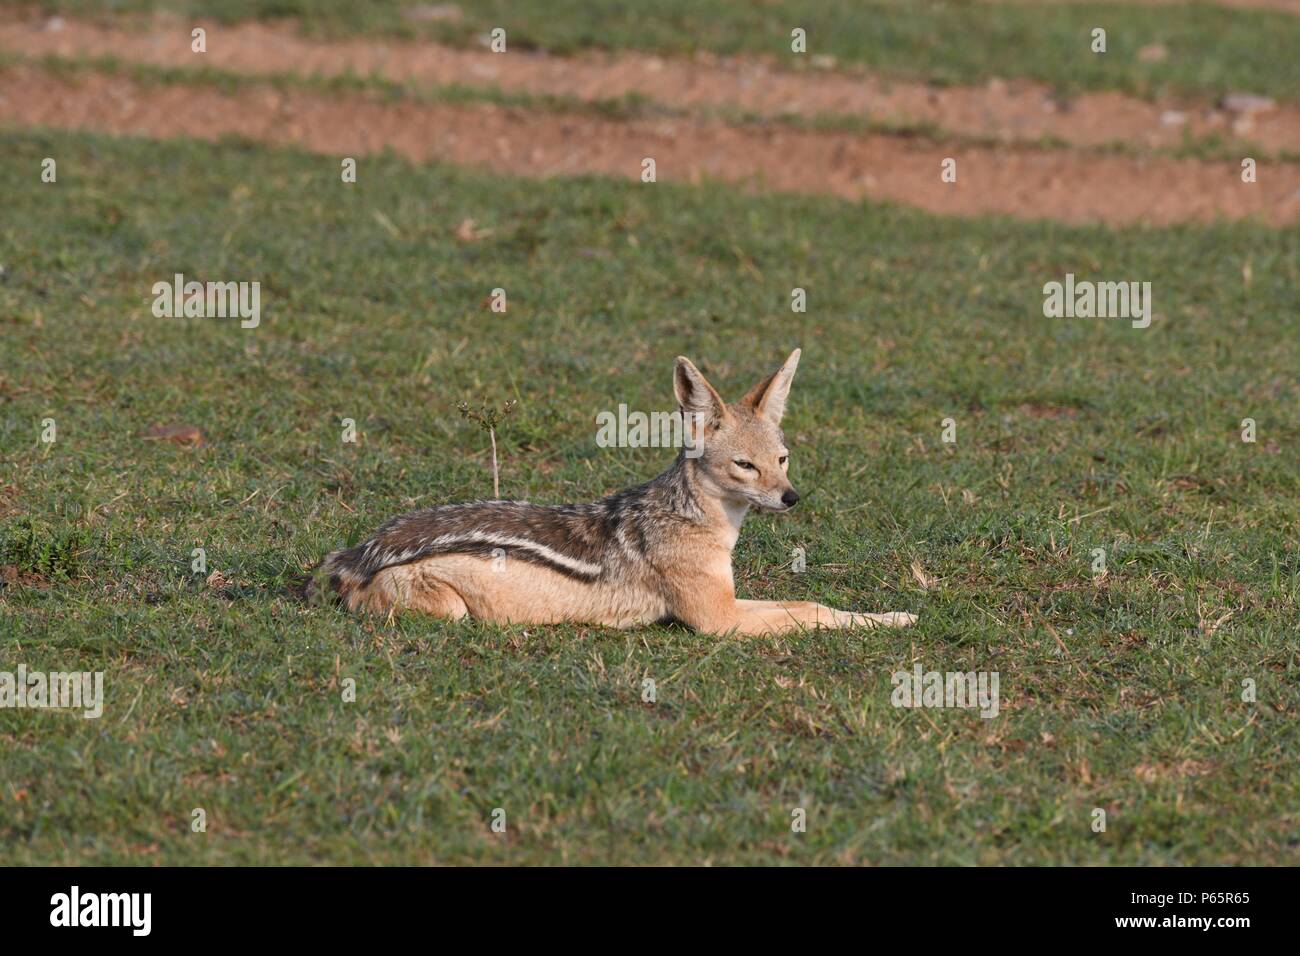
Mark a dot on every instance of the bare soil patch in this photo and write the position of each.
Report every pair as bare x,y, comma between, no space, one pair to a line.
1046,184
1017,111
12,574
186,435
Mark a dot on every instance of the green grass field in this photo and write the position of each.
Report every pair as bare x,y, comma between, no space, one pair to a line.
1118,693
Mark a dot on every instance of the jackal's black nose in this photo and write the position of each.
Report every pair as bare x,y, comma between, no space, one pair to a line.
790,498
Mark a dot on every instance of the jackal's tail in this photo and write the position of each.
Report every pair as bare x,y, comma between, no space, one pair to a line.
339,577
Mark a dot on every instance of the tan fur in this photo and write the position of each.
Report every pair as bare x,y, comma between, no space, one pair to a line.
656,552
518,593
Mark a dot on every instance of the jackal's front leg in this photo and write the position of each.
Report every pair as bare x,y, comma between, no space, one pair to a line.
709,605
778,617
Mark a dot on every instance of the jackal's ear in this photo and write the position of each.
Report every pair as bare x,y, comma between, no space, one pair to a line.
767,398
695,395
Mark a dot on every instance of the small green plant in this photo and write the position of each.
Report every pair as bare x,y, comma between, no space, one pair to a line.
488,418
49,552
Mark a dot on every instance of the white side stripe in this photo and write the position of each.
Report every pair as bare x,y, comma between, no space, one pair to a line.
501,540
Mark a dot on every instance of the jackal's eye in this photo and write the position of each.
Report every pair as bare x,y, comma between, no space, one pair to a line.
745,464
783,459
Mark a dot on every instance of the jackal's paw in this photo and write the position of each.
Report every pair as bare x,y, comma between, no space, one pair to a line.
889,619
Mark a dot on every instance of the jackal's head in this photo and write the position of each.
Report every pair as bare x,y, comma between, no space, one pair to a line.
742,455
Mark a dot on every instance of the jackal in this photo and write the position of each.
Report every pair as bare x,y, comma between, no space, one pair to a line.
654,553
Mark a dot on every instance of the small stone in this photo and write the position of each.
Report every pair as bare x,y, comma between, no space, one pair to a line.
1173,117
433,11
1248,103
1153,53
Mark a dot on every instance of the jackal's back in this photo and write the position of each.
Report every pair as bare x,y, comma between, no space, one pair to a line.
619,537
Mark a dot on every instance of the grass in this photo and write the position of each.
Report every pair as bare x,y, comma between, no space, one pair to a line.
1121,693
1212,50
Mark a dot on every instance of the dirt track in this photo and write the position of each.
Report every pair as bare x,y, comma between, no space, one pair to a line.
1029,183
1006,111
1064,184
